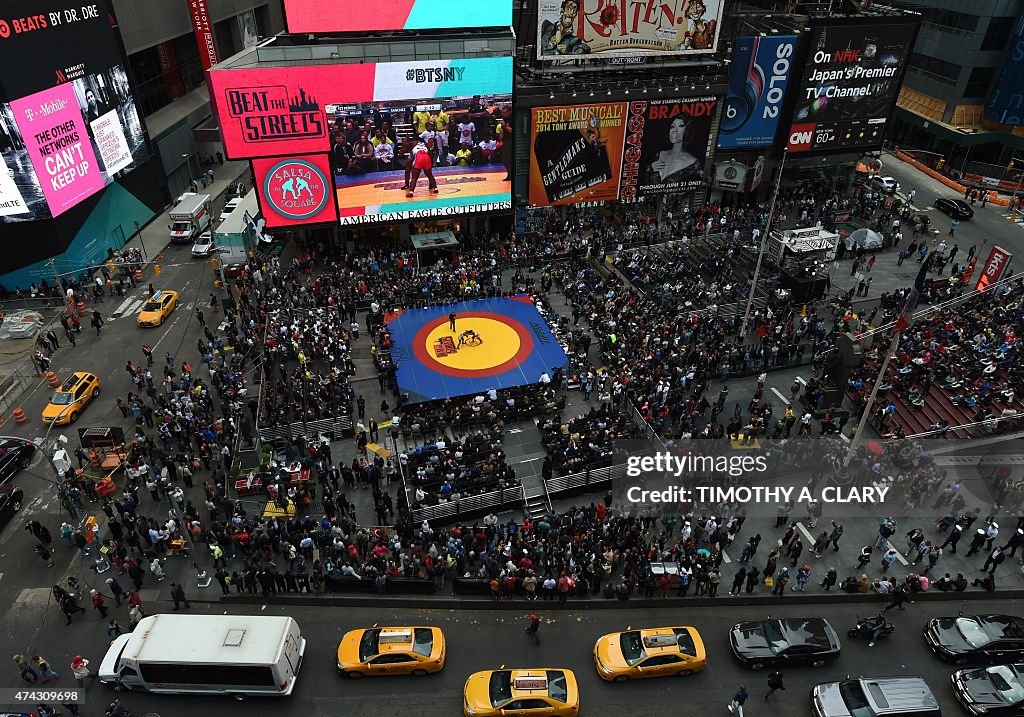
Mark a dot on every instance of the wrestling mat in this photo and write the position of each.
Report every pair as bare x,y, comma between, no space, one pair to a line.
381,192
512,346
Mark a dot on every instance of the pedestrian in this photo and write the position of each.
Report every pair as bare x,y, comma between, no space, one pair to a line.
451,321
888,558
995,559
46,673
135,603
738,699
98,603
178,596
97,322
830,579
899,599
835,535
80,669
44,554
25,670
116,590
533,629
774,683
114,629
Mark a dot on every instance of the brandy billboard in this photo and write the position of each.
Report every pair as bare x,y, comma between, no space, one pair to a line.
625,28
460,111
852,76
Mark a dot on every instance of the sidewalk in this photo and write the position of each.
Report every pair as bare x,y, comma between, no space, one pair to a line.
155,238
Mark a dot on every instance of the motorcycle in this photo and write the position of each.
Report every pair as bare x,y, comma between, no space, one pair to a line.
873,628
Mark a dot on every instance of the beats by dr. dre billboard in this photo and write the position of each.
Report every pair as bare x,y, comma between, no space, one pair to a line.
852,76
757,87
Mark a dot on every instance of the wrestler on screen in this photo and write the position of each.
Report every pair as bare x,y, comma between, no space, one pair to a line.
421,161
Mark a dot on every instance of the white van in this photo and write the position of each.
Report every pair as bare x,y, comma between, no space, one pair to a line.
238,655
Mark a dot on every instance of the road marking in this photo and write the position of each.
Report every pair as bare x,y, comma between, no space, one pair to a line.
166,334
725,559
807,534
899,555
801,380
779,394
121,309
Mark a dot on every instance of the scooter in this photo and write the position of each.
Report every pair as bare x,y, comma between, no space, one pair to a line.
873,628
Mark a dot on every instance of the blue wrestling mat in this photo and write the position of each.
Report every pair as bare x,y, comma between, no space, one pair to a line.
497,343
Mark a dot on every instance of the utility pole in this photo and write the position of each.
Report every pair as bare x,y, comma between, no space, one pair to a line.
760,253
855,439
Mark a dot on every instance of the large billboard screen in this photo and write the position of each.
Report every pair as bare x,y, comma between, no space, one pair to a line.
603,28
343,15
1006,105
576,153
619,150
69,125
295,190
667,146
318,109
757,87
852,76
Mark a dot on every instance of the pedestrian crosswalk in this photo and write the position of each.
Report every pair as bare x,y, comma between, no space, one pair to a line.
131,305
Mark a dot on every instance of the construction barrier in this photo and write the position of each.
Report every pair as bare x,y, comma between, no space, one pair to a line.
19,416
81,308
138,275
51,378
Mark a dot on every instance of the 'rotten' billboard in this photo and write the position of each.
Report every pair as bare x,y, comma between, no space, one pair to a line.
851,79
621,28
460,112
69,125
757,87
666,146
344,16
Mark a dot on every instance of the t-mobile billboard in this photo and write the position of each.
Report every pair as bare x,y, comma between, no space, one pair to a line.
851,79
70,125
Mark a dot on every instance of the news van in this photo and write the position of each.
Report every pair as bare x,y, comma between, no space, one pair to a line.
235,655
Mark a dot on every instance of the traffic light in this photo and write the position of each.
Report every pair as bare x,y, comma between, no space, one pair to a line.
941,163
156,270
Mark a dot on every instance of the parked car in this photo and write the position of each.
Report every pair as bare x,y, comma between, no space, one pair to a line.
992,639
229,206
14,456
886,185
876,696
205,247
11,498
791,641
956,208
997,690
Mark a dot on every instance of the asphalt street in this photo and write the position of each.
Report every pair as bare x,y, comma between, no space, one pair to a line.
481,640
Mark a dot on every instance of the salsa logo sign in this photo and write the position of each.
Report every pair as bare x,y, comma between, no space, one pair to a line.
273,114
296,189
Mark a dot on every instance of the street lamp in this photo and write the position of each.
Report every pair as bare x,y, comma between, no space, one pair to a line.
188,161
138,233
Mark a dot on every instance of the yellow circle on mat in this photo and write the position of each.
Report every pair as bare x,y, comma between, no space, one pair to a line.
500,342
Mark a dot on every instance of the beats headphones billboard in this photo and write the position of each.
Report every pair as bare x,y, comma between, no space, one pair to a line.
757,89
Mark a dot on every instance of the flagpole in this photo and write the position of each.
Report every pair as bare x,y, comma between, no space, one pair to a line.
855,438
760,253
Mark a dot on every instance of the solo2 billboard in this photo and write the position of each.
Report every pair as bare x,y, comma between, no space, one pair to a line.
70,126
295,190
619,150
757,87
851,79
318,109
304,16
622,28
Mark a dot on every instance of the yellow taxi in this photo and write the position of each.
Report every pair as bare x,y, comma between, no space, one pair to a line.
540,691
655,652
391,651
68,401
158,308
